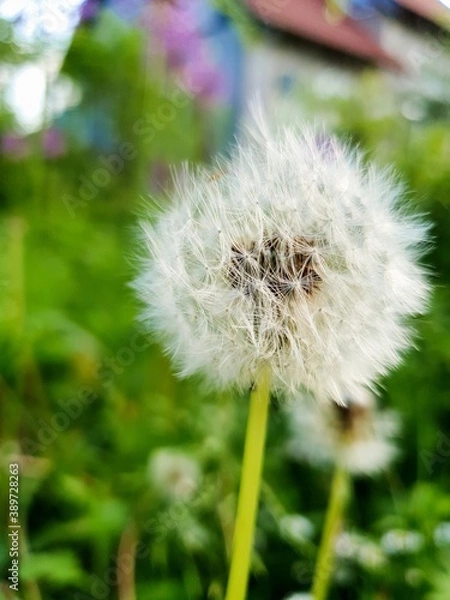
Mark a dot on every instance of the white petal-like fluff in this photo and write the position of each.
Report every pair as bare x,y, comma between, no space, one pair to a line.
292,252
357,436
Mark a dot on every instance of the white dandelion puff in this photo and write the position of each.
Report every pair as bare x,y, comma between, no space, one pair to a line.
358,548
174,474
400,541
291,253
296,528
355,436
441,534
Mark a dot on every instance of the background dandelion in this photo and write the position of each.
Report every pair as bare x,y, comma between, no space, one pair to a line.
357,436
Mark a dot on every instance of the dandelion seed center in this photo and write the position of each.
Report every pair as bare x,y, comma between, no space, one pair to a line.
350,417
275,264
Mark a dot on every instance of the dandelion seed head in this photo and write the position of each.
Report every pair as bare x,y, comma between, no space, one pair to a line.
356,435
173,474
291,253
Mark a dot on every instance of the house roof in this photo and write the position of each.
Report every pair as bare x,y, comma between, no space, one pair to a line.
308,19
433,10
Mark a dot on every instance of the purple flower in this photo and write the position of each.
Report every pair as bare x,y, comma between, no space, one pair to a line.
176,29
89,10
204,80
15,146
54,143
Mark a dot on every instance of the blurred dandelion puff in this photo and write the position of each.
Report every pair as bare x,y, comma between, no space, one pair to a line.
356,436
356,439
360,550
296,528
174,474
400,541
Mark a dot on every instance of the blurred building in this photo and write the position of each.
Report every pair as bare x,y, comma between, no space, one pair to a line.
189,44
323,45
329,43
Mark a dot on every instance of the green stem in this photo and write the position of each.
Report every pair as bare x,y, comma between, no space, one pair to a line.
333,520
249,489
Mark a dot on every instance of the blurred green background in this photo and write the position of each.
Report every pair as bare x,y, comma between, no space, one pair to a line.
128,475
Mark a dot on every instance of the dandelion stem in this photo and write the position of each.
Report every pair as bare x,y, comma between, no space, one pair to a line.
249,489
336,506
